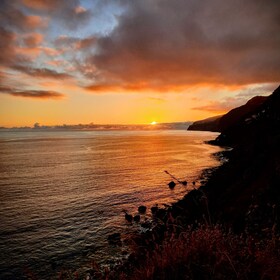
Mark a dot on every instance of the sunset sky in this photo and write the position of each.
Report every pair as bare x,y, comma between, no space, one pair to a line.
134,61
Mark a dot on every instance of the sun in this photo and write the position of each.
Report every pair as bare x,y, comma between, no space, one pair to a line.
153,123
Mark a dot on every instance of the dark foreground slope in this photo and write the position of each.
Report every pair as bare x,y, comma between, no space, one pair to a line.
220,123
192,239
243,195
251,177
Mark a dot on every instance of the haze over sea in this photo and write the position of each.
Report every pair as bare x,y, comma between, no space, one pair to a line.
62,193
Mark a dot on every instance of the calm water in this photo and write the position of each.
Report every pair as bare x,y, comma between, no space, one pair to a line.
62,193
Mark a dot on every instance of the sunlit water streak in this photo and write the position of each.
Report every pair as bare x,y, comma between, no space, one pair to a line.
62,193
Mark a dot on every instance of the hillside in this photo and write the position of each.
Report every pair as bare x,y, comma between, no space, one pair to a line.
229,227
244,193
209,124
221,123
252,174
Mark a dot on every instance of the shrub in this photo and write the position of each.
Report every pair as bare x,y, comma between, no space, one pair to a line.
211,253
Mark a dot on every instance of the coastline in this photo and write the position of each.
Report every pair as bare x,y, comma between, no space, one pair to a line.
239,203
156,179
197,217
241,196
187,211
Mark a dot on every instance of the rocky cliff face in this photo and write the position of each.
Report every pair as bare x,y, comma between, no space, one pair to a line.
257,120
209,124
246,190
223,122
244,111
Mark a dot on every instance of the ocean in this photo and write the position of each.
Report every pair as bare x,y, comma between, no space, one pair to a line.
63,192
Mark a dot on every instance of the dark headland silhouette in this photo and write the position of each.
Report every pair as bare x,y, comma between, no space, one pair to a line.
229,227
251,177
220,123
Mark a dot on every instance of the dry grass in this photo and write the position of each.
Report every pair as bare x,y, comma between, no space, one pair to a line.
206,252
211,253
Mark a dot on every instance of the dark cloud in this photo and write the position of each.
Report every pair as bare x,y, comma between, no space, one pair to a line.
5,89
41,72
16,30
164,44
22,46
25,15
37,94
13,17
158,45
7,40
9,57
17,88
70,13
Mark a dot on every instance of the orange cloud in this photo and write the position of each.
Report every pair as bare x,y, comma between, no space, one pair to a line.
40,4
30,53
34,52
34,22
33,39
214,107
51,51
179,44
239,96
79,10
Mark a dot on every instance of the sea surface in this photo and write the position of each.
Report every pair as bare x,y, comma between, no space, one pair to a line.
62,193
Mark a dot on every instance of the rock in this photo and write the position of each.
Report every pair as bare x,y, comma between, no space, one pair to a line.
146,224
161,214
114,238
127,216
142,209
136,218
154,209
171,185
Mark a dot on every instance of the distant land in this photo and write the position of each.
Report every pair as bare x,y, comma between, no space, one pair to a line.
92,126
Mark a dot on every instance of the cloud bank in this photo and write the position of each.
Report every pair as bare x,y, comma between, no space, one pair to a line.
166,44
159,45
35,94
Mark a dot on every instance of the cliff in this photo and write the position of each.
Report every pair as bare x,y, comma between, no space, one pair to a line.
237,206
251,177
221,123
245,190
209,124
